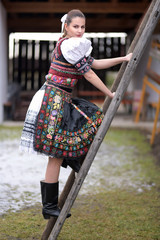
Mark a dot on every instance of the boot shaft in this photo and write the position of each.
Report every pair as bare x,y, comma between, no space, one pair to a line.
49,192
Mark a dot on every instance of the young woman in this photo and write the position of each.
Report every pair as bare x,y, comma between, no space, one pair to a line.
56,124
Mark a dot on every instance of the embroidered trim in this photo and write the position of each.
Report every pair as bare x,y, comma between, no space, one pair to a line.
61,87
84,64
68,82
51,139
64,71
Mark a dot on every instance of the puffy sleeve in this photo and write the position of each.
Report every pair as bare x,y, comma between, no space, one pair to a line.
77,52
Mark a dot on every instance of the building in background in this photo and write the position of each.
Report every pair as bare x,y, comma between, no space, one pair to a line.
24,73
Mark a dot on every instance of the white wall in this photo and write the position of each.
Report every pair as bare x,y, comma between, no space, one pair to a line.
137,80
3,60
140,70
155,66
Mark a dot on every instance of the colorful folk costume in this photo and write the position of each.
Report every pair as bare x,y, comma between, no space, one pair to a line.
56,124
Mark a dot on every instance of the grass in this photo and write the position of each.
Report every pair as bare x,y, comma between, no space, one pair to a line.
117,214
139,154
10,132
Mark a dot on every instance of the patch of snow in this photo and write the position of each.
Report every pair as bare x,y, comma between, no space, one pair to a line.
20,175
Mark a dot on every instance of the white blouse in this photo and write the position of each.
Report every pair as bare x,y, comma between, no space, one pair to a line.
76,51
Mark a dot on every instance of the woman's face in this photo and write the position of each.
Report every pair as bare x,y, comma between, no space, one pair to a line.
76,28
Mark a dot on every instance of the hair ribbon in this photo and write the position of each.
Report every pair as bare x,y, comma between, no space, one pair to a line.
63,19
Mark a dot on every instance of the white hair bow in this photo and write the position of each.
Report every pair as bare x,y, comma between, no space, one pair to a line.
63,19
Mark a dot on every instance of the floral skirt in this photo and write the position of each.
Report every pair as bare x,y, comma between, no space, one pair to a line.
60,126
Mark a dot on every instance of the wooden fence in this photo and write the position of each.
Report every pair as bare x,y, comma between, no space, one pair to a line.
31,60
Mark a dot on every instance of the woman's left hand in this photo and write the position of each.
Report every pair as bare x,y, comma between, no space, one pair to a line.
128,57
113,94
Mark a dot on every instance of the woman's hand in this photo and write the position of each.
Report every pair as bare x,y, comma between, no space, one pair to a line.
113,95
128,57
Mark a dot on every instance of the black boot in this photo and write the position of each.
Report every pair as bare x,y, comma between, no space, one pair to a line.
49,192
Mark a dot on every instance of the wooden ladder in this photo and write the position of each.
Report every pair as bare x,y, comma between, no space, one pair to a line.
73,184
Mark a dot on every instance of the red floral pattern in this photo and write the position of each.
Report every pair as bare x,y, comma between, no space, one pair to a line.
51,139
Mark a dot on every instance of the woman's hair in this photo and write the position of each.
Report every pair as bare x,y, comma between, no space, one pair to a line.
70,15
